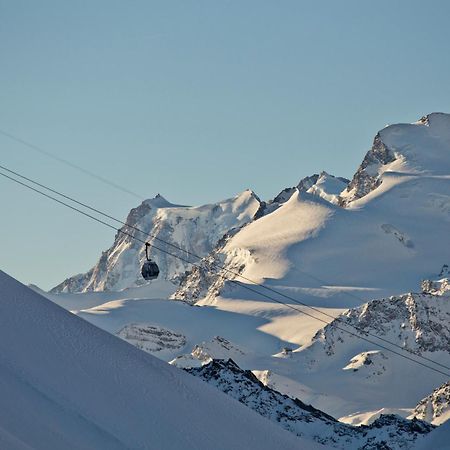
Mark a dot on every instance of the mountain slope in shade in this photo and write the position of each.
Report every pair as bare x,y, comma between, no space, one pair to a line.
66,384
438,439
392,232
388,431
193,229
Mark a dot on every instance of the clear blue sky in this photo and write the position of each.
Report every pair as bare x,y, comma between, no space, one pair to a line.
198,100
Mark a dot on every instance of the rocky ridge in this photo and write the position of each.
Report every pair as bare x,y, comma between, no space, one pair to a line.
419,322
367,177
389,432
435,408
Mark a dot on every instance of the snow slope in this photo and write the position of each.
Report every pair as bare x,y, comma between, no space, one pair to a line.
438,439
335,372
66,384
193,229
392,232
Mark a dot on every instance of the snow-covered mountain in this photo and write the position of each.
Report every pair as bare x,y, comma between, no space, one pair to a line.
419,148
385,220
195,230
217,349
392,231
325,243
373,378
66,384
388,431
323,185
417,322
438,439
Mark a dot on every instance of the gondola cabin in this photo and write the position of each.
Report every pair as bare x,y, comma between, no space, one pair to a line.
150,269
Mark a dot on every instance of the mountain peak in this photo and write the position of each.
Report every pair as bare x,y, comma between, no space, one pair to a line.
434,118
158,201
196,230
248,194
415,148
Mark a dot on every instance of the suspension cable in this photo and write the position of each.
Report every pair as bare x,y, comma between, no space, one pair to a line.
227,279
228,271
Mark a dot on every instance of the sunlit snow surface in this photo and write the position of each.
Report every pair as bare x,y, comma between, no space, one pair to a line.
381,244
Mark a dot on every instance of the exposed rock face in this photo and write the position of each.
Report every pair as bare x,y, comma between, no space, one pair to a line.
419,322
150,338
207,278
387,432
323,185
272,205
436,287
399,235
179,230
371,363
367,177
435,408
421,145
217,348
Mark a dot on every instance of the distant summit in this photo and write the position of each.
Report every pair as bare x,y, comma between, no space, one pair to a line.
194,230
421,147
158,201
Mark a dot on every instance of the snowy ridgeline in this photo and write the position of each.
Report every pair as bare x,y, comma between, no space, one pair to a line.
184,231
369,222
386,432
194,230
389,230
324,232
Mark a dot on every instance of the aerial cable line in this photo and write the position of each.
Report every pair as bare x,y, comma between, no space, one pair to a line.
218,266
115,185
230,280
71,164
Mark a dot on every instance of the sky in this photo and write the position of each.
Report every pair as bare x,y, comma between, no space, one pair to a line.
196,100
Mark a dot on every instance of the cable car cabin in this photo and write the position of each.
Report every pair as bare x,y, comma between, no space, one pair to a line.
150,269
